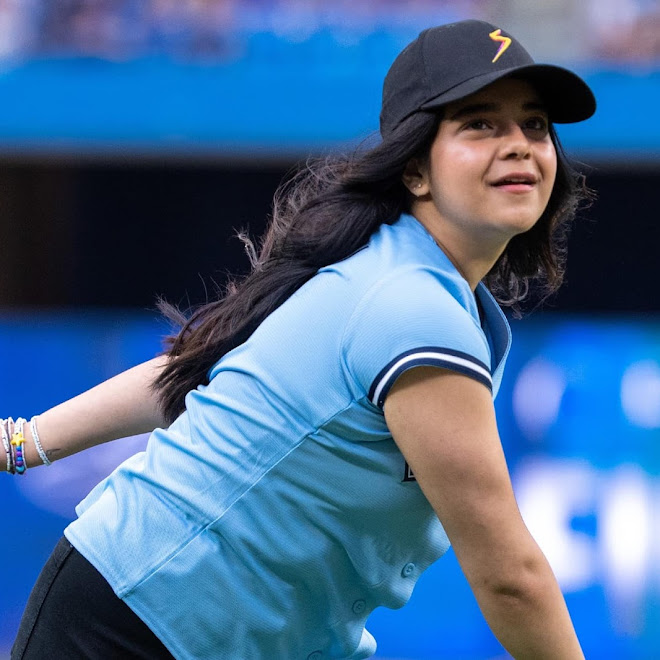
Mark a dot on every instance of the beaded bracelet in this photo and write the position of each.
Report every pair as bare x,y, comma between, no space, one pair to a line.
37,442
18,441
12,457
4,430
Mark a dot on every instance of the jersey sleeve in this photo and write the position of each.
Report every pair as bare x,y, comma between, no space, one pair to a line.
410,320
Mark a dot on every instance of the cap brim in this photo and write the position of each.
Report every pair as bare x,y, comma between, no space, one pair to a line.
566,96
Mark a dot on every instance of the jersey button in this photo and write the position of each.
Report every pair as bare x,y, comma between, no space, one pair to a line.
408,570
359,606
315,655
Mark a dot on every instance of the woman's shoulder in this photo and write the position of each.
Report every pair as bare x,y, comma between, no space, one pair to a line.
400,253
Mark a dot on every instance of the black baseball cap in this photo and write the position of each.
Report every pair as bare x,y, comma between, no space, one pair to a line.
449,62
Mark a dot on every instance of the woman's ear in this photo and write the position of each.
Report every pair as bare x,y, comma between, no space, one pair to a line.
415,178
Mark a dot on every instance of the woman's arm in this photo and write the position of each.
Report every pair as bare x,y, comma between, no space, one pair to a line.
119,407
444,424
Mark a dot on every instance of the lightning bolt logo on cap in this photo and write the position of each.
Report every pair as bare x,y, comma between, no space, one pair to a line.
505,42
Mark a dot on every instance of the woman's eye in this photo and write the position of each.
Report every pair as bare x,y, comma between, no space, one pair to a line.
478,124
537,124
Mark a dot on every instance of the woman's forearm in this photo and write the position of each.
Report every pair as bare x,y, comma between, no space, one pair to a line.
528,614
122,406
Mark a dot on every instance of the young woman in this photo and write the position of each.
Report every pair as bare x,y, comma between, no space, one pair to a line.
326,430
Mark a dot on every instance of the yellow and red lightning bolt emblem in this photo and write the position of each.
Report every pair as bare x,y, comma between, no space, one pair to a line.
505,42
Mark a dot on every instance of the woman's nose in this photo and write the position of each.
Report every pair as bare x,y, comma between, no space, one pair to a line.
514,142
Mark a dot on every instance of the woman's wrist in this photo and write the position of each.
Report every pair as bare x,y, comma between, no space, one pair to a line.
21,445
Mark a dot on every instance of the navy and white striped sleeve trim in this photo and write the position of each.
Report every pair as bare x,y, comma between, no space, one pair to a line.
430,356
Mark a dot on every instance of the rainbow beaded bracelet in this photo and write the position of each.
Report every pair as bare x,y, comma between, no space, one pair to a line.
18,441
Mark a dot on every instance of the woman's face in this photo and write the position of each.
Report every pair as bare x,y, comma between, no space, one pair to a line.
491,167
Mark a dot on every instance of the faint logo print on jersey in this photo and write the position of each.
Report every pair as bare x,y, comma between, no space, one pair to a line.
407,473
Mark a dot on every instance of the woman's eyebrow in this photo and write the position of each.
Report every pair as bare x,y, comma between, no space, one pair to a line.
535,105
473,109
476,108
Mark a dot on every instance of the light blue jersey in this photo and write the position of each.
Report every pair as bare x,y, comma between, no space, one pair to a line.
276,513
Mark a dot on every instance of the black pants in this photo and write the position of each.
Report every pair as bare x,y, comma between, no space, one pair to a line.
74,614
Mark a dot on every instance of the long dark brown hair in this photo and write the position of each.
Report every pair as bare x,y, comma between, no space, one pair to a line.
324,213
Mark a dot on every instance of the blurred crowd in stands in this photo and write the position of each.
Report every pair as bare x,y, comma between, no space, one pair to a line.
625,30
212,30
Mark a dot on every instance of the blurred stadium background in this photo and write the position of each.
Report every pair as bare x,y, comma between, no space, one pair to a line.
136,136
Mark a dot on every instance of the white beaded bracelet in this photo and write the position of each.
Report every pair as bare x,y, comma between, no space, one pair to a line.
37,441
5,442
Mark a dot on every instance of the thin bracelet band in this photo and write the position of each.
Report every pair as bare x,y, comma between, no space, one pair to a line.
5,442
37,441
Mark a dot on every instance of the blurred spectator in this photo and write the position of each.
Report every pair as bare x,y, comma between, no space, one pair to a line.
624,30
18,27
89,28
199,29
